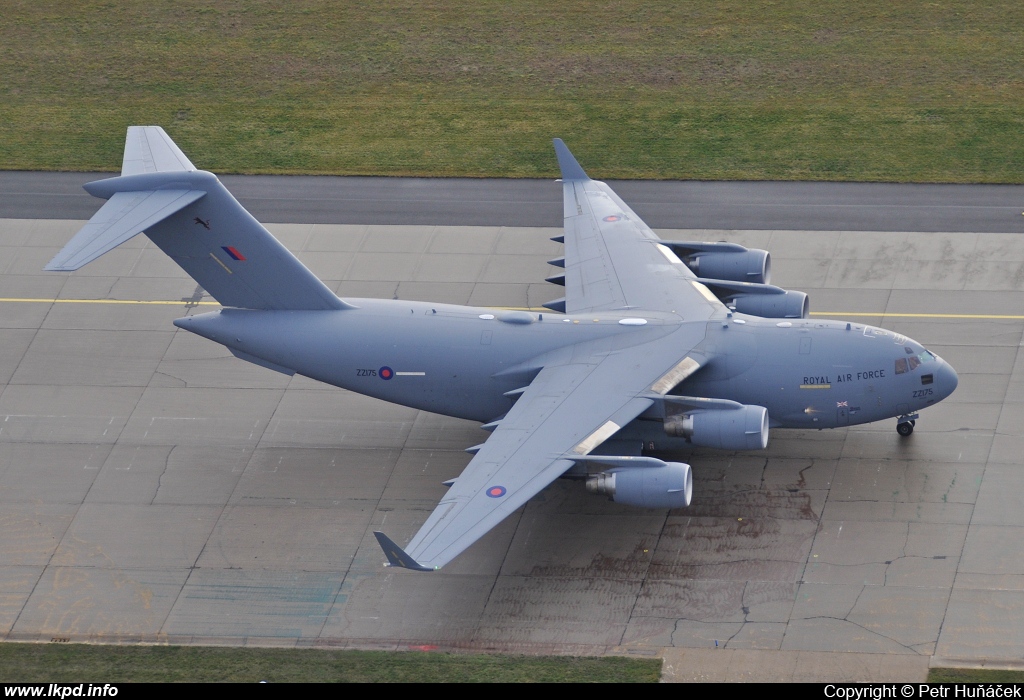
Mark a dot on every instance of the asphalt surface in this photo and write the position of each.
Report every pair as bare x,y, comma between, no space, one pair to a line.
814,206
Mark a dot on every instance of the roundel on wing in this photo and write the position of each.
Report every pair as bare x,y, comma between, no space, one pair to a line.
496,491
613,217
385,373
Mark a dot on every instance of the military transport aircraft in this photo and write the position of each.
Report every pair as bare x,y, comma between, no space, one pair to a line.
655,345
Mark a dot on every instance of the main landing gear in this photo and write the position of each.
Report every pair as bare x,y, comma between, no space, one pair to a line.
905,424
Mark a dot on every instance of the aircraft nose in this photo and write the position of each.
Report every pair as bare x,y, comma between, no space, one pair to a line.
948,378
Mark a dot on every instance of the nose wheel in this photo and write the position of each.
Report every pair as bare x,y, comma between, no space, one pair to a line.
905,424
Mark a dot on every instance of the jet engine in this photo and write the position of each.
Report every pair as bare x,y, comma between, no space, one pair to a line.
724,261
764,300
668,486
788,304
743,428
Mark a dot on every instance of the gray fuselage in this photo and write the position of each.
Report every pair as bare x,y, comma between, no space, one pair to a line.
463,361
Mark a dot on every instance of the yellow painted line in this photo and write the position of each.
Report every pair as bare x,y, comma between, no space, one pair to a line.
815,386
827,314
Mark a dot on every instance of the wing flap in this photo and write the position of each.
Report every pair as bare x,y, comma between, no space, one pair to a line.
124,216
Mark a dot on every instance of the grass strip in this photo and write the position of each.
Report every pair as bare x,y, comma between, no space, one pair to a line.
85,663
783,89
974,675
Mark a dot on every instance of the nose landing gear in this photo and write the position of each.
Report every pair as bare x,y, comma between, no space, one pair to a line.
905,424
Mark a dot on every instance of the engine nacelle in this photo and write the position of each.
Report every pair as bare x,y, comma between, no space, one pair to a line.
747,266
743,428
670,486
789,304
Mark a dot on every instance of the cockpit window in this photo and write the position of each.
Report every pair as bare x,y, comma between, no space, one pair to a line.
909,364
907,349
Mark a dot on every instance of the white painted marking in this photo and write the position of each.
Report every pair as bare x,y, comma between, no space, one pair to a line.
596,438
681,371
669,255
705,292
632,321
410,374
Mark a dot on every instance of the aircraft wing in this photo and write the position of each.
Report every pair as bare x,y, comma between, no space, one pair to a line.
613,260
571,407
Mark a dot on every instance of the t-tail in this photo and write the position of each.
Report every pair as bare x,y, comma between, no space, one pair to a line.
190,215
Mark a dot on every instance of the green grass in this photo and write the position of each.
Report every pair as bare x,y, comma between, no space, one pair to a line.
974,675
784,89
81,663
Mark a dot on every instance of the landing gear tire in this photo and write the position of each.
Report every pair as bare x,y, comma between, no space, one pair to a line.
905,429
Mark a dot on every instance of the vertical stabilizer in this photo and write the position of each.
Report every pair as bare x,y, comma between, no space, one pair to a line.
190,215
148,149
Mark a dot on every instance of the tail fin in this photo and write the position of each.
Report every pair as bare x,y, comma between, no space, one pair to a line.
191,216
148,149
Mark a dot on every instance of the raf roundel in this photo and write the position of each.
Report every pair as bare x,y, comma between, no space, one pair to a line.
611,218
385,373
496,491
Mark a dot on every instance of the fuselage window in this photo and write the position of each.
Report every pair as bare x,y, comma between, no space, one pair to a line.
927,379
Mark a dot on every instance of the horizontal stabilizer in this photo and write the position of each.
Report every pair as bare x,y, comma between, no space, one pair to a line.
125,215
396,555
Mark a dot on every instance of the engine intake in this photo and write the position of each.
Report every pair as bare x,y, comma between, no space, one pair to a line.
744,428
669,486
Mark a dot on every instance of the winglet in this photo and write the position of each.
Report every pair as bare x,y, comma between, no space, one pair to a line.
571,170
396,555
